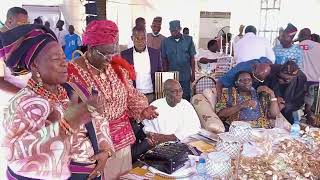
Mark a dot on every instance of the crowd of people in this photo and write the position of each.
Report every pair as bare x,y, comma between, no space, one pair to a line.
92,115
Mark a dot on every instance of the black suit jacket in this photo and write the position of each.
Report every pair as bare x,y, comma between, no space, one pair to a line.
155,61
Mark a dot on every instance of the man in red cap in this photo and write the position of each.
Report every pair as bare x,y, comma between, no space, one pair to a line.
154,38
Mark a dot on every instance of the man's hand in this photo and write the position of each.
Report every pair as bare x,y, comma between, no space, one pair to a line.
101,158
54,116
267,90
161,138
149,113
281,103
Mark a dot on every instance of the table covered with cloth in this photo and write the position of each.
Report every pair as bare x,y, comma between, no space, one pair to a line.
271,154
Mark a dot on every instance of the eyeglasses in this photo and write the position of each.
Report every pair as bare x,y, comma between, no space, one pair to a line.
244,80
105,56
256,78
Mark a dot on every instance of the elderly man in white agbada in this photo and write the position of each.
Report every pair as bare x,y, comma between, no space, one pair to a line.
177,118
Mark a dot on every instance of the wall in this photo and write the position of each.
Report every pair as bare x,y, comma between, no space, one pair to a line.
124,13
74,14
302,14
7,4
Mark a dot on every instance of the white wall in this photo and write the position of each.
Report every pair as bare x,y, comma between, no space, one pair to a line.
74,14
73,10
7,4
301,13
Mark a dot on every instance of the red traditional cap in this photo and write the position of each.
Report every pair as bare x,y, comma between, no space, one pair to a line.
100,32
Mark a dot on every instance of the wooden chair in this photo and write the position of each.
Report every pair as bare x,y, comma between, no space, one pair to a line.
160,78
205,82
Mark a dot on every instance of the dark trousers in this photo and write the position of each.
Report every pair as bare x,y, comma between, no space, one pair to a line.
186,87
81,177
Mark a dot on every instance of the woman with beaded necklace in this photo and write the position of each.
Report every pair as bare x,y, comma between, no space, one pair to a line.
108,75
40,119
244,103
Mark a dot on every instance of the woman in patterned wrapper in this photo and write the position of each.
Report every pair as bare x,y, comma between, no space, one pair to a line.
244,103
40,119
110,76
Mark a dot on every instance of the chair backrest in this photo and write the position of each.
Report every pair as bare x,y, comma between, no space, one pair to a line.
205,82
224,64
160,78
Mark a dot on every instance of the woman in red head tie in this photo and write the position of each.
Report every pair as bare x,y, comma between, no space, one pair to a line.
108,75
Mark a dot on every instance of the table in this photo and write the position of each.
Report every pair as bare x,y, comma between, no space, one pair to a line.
272,154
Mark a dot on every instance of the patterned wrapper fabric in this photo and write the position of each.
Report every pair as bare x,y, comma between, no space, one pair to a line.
230,97
32,140
122,101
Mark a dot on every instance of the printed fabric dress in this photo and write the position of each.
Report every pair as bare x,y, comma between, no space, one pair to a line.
122,100
257,117
32,139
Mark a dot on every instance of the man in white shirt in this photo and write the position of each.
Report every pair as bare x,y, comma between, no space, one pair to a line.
311,68
252,47
146,62
240,35
207,59
177,118
61,33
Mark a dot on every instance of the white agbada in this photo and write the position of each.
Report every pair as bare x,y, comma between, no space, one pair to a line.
181,120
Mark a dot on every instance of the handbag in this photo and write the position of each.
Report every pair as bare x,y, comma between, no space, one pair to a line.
167,157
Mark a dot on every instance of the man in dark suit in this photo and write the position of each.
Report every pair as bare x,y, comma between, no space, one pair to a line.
146,62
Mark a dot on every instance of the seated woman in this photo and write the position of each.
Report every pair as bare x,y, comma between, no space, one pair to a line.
244,103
